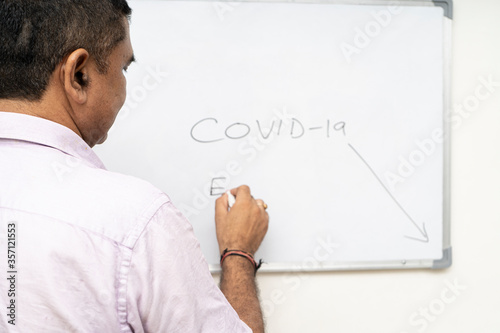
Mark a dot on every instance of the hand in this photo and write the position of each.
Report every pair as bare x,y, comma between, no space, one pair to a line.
244,226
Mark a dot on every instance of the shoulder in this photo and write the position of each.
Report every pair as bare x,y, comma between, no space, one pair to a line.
108,185
125,203
111,204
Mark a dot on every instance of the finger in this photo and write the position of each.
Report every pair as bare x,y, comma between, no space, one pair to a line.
261,203
223,200
242,191
242,194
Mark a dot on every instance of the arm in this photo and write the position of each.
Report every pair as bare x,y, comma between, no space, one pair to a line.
241,228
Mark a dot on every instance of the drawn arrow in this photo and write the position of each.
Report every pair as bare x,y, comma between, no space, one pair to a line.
423,232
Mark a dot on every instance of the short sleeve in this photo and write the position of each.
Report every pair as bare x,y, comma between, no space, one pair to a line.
169,286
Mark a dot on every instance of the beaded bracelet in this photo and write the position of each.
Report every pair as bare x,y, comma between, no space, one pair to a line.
243,254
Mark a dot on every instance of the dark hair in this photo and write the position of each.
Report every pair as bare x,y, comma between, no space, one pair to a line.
36,35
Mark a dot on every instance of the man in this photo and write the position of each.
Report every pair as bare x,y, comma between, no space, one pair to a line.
88,250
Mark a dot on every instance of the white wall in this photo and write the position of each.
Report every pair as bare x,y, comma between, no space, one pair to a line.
396,301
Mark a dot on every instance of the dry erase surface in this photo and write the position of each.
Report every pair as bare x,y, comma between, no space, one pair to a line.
333,114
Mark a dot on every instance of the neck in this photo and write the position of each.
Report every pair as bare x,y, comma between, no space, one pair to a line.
23,107
42,109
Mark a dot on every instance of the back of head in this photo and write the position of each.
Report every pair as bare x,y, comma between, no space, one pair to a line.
36,35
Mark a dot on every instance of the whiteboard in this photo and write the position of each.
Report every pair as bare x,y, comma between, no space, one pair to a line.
333,113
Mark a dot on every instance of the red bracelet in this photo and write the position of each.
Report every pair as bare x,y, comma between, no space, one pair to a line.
243,254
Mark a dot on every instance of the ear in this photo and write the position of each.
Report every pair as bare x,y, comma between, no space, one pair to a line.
75,75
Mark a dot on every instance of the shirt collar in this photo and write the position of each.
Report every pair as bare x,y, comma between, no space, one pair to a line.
41,131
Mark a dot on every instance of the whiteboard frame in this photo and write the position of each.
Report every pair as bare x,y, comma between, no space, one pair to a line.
446,259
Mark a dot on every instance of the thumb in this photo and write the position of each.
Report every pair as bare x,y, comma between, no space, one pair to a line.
221,207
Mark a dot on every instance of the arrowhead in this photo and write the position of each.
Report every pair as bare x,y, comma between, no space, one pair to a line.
423,232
